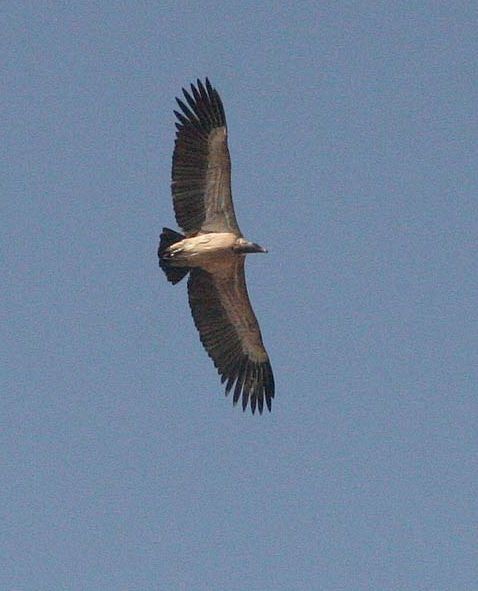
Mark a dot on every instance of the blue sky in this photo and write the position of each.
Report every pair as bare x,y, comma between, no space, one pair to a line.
353,140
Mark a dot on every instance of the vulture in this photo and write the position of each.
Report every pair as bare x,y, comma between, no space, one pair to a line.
212,249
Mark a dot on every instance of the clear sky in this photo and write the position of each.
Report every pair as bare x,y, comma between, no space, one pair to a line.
353,132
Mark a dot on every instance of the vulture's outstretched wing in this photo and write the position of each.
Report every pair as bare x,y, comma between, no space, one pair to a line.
229,330
201,177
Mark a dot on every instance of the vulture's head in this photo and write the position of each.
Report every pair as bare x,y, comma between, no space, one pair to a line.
243,246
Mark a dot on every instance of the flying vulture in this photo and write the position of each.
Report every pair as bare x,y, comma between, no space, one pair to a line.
212,249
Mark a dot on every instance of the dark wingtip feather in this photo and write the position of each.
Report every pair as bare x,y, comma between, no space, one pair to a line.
260,403
238,389
183,121
245,400
202,113
189,114
253,383
201,88
253,404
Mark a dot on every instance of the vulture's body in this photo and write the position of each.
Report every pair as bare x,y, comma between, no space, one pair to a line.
212,249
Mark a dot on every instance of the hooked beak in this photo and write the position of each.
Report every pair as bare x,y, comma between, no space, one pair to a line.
259,248
244,247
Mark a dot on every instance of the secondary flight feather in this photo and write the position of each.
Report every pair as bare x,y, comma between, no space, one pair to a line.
212,249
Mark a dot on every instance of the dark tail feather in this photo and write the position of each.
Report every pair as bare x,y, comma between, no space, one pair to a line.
173,274
167,238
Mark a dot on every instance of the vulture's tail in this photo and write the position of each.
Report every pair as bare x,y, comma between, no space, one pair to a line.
167,238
